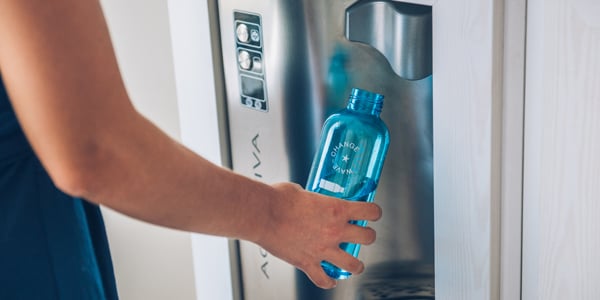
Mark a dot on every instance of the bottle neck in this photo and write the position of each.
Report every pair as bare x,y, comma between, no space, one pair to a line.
365,102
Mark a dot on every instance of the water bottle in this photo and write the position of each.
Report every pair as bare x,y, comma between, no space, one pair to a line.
350,157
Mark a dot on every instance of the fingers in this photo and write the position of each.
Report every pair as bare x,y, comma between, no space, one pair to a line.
364,211
339,258
345,261
358,235
316,274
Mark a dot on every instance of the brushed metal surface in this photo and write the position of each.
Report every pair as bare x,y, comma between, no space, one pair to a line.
400,31
309,68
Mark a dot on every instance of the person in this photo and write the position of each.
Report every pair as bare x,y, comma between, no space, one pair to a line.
69,132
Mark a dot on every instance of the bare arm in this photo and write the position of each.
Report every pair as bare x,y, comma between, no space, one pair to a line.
59,67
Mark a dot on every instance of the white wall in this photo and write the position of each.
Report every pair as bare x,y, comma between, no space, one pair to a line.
150,262
199,130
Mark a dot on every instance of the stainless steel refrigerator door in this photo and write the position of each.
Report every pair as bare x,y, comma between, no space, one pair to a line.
306,68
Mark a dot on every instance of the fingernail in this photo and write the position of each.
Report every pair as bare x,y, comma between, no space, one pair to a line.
362,268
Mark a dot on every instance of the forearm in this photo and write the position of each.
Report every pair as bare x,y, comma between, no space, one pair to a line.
147,175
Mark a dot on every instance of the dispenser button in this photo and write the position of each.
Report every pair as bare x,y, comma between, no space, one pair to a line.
242,33
247,101
244,60
257,64
254,35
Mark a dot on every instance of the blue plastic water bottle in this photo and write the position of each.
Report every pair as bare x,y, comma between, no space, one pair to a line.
350,157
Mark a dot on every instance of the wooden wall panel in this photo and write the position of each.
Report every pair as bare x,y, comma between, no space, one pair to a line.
467,140
561,211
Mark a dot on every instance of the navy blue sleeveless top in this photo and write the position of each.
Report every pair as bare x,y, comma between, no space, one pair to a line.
52,246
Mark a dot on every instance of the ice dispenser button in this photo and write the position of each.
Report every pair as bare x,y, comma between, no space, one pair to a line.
244,60
242,33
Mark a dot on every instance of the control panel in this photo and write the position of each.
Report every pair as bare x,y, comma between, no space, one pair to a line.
249,47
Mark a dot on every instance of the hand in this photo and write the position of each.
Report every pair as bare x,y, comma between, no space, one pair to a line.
305,228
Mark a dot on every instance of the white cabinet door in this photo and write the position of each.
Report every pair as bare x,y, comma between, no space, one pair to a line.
467,132
561,207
